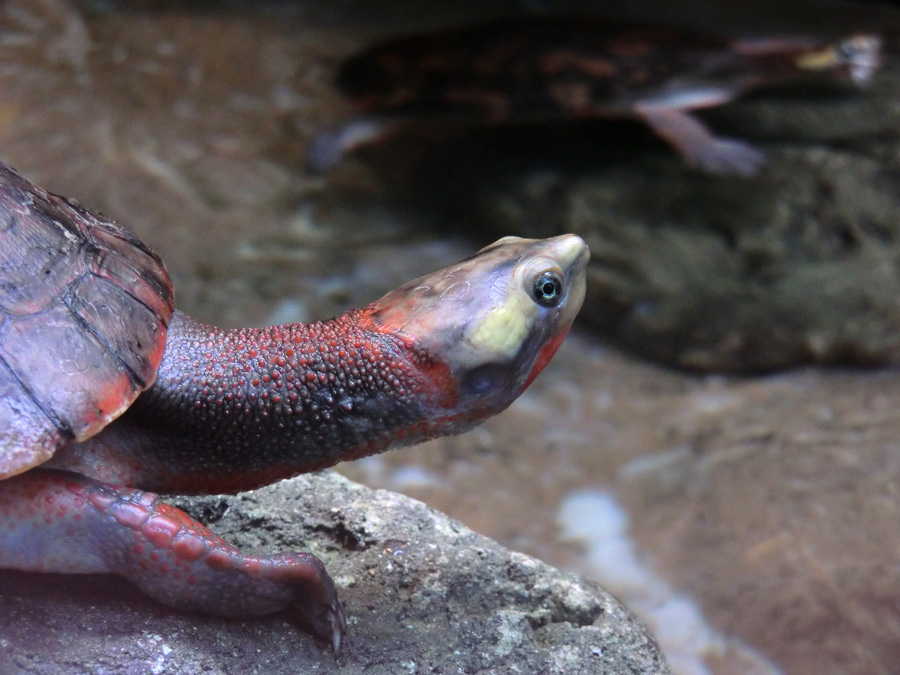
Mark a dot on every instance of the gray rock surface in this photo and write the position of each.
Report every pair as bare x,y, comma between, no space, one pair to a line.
423,594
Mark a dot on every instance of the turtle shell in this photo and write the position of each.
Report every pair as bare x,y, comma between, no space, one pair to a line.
84,307
532,67
544,67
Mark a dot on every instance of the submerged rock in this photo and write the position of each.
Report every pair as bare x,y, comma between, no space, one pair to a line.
422,593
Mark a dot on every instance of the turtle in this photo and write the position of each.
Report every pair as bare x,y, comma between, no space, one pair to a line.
108,395
561,67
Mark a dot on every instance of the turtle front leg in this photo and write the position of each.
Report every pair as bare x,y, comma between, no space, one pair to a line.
698,146
328,148
56,521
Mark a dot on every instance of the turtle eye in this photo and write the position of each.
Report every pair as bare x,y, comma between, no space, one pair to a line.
548,289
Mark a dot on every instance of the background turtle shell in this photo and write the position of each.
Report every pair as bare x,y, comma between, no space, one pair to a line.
84,307
537,67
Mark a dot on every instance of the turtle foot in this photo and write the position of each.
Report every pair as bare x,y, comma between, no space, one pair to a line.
698,146
728,156
328,148
324,619
56,521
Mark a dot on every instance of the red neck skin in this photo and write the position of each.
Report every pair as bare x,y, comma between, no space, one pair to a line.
237,409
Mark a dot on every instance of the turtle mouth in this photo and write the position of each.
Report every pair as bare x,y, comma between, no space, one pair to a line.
573,255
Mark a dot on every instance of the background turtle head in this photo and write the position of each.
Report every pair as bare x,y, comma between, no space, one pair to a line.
489,324
855,58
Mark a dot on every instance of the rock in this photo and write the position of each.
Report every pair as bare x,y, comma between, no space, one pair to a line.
423,594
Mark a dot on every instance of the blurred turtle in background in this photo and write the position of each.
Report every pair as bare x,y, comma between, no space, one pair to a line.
546,68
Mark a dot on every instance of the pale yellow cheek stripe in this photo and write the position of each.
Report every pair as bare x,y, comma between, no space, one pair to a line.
502,330
819,60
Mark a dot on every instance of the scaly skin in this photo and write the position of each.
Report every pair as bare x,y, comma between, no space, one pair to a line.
235,409
89,527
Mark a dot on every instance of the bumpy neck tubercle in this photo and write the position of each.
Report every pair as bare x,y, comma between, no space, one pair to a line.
234,409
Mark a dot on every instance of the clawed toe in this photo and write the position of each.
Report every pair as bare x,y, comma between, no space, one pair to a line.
324,617
338,627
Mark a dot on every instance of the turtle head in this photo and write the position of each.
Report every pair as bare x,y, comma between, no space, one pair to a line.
488,325
856,57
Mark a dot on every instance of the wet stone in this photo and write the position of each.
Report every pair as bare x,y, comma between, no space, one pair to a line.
423,592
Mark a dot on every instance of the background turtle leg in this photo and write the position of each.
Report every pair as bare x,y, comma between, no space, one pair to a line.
56,521
328,148
698,146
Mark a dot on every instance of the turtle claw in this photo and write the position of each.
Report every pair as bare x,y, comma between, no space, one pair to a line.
338,629
315,603
323,617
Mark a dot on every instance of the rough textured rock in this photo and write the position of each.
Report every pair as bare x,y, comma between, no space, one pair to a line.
423,594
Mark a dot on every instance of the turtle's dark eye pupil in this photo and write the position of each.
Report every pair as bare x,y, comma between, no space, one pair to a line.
548,289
